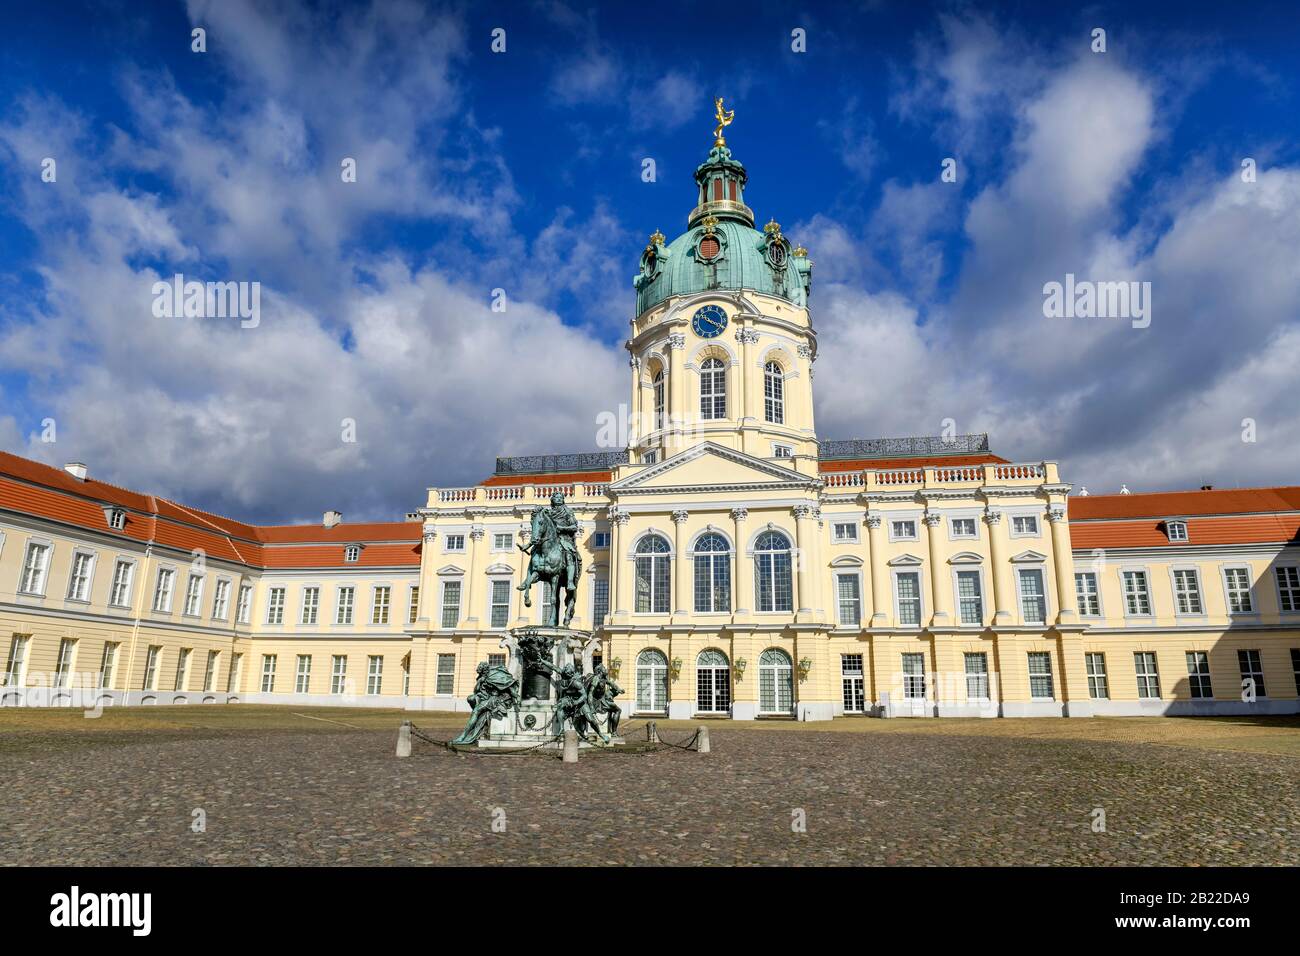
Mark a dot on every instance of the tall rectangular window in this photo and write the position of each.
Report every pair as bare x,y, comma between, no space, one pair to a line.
162,595
36,565
119,595
380,603
1288,588
1187,591
374,673
63,667
182,669
275,606
446,677
450,603
210,671
499,611
914,676
338,673
151,668
1137,597
268,673
599,601
1237,581
79,578
1295,667
1148,677
907,588
1087,594
310,605
302,675
970,600
1095,663
107,665
236,667
977,676
848,591
1033,600
244,610
413,604
343,608
15,670
1040,675
851,678
1198,674
221,600
1252,673
194,595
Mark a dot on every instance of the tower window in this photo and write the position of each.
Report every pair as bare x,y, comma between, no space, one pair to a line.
713,389
731,187
717,189
658,382
773,394
710,247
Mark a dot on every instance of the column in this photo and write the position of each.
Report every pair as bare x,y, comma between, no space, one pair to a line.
682,570
474,596
817,568
676,386
634,411
621,599
1004,596
803,533
429,596
748,338
742,584
881,599
1063,559
939,585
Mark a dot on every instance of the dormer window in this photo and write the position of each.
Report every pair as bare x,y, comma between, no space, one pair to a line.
117,519
352,553
1176,530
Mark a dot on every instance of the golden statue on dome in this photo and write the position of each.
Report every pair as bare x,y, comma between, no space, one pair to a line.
725,118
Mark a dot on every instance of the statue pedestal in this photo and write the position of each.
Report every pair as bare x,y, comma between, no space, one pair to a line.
538,720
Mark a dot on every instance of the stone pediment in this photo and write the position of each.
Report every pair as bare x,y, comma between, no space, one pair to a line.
712,466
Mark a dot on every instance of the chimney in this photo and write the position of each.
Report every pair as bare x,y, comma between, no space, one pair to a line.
1207,487
332,518
76,469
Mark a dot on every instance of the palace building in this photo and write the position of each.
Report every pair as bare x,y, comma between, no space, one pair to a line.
735,563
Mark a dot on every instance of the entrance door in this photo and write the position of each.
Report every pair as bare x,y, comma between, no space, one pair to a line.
651,682
712,683
852,677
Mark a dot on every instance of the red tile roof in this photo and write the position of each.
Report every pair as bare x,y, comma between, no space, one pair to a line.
1215,517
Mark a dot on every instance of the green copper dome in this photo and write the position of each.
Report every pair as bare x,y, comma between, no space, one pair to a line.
721,249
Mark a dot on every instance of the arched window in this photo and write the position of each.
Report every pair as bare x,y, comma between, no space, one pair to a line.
773,394
775,682
712,682
651,682
713,389
652,575
712,573
772,585
658,384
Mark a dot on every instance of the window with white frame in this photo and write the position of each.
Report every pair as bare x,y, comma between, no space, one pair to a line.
852,683
453,542
379,604
36,565
107,664
713,389
502,540
970,597
902,529
712,563
412,604
194,595
221,600
1024,526
338,674
1295,667
600,539
773,581
302,675
1187,591
1148,677
1288,588
352,553
1033,599
657,383
845,532
773,393
1237,583
406,675
653,575
275,606
1040,675
599,601
445,679
1095,666
310,605
151,657
450,603
117,519
1252,673
210,671
374,673
962,528
236,668
1198,674
1137,595
162,593
1087,594
83,564
244,609
977,676
499,603
914,676
848,592
651,682
345,601
775,682
119,593
63,665
649,457
782,451
907,598
268,673
183,669
15,669
1176,530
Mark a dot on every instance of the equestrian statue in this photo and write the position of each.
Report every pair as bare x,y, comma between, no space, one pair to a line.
554,558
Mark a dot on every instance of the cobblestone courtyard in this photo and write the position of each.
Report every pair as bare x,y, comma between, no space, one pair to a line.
305,790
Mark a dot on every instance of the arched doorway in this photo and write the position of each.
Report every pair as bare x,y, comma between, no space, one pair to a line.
651,682
712,683
775,683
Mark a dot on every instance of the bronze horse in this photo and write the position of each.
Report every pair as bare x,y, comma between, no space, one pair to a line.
553,560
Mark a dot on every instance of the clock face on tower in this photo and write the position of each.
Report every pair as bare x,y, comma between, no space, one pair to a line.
709,321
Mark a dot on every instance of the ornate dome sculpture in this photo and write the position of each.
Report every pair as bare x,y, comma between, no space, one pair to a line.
721,249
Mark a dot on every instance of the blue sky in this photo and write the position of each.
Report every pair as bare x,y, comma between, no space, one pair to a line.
521,171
